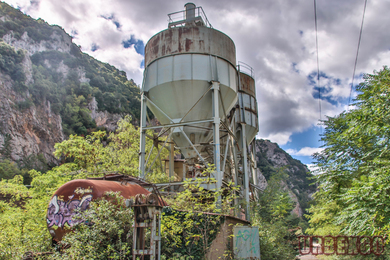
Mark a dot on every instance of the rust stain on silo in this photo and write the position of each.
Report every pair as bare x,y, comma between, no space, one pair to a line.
188,44
247,84
190,39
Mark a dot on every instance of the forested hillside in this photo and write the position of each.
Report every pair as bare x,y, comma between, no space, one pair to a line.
271,159
60,69
51,89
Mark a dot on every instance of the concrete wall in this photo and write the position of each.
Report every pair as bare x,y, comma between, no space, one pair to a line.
222,246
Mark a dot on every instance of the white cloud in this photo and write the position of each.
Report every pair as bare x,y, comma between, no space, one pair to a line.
305,151
313,169
277,38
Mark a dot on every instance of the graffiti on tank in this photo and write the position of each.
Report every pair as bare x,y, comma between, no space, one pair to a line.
81,190
61,212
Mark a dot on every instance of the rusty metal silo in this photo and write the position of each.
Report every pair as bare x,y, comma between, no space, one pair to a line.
191,85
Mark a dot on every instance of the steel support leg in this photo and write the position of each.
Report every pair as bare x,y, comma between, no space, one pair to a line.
142,137
217,152
246,171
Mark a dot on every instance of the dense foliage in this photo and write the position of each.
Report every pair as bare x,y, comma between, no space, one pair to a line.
105,232
185,231
22,210
277,226
188,228
100,153
355,179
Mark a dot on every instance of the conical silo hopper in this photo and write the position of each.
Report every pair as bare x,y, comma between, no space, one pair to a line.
180,65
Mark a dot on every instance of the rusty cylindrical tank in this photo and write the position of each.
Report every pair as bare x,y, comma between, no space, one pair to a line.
77,194
180,64
247,103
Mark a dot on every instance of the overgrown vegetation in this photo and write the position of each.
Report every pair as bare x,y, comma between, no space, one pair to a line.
189,225
277,226
22,213
103,232
186,232
353,198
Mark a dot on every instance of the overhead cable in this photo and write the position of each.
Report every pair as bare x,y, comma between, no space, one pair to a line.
318,62
357,52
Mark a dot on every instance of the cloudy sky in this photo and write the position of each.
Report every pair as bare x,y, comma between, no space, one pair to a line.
275,37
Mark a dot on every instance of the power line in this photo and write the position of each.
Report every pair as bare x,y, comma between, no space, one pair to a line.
357,52
318,62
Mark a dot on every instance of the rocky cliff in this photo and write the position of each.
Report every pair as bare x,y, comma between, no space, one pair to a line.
271,158
50,89
32,131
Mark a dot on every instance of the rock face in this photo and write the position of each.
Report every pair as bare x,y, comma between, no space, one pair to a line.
270,157
103,118
59,42
261,180
53,68
33,131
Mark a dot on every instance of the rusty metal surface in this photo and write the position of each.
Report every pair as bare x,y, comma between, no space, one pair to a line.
190,39
147,217
247,84
77,194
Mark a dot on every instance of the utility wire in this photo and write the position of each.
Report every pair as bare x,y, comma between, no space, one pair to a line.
318,62
318,69
357,52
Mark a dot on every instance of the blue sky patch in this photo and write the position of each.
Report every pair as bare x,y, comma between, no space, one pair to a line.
94,47
294,67
138,45
326,86
308,138
113,19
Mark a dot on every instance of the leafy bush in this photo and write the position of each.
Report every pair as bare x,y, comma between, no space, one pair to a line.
187,230
103,232
22,218
8,170
271,213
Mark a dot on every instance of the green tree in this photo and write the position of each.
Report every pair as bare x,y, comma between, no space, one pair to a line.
9,169
272,214
187,227
117,152
22,215
355,178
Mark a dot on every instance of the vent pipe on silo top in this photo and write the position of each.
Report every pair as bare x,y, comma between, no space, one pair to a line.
190,11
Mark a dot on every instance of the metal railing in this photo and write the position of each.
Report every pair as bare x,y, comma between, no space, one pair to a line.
180,19
245,68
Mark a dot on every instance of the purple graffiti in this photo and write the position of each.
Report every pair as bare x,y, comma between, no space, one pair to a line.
61,212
